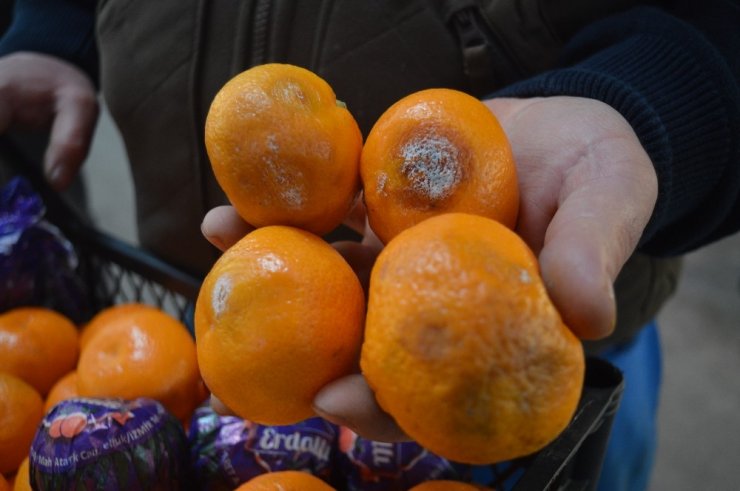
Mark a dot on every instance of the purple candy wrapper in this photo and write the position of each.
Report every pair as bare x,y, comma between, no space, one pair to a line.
37,263
109,445
369,465
227,451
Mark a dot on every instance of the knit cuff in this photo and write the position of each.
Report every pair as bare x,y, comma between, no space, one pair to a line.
670,84
61,28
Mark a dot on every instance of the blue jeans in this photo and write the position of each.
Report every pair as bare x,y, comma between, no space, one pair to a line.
630,453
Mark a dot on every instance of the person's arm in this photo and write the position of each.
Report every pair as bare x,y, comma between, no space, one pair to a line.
675,79
48,68
63,29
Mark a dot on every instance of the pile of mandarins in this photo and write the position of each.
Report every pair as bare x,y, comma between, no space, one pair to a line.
126,351
458,338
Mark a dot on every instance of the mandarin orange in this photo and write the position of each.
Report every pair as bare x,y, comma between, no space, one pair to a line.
437,151
145,353
283,149
279,316
285,481
463,346
22,481
107,317
21,410
65,388
37,345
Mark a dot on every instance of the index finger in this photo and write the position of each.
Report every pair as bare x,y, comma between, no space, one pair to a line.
75,116
350,402
223,227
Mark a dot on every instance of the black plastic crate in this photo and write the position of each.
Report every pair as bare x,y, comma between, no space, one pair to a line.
116,272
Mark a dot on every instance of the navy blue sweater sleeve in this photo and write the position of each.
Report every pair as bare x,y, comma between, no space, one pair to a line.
62,28
674,76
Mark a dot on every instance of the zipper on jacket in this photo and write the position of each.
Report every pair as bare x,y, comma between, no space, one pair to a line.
322,24
260,31
479,47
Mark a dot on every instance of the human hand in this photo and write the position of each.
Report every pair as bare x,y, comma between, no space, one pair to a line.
39,91
587,191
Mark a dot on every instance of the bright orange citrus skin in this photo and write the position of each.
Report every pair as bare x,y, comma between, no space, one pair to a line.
37,345
437,151
285,481
463,347
65,388
21,410
278,317
22,478
107,317
146,353
283,150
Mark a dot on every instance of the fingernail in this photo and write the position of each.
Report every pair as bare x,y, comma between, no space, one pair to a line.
610,290
57,174
219,407
323,404
612,298
337,420
213,239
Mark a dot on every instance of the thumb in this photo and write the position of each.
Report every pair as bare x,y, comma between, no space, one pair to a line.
597,226
576,272
350,402
71,134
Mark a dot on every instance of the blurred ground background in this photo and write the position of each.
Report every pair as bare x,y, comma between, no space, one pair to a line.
699,441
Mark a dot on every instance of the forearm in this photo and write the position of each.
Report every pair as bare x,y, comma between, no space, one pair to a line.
62,28
678,87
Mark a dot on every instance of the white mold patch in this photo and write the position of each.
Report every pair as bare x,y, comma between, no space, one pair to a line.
419,111
380,182
220,295
272,263
322,150
289,187
290,93
292,197
431,163
140,344
272,144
